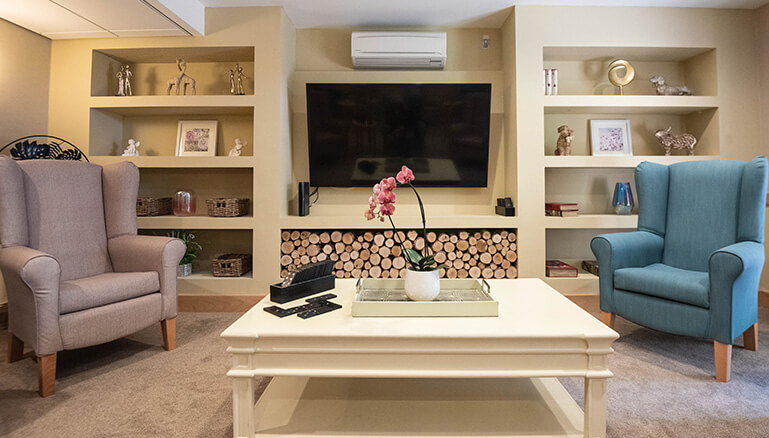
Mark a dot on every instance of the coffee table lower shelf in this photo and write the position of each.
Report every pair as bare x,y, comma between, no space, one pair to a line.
363,407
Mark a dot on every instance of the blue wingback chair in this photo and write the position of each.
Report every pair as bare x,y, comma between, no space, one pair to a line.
694,265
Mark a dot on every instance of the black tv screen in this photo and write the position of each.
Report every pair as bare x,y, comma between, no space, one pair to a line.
361,133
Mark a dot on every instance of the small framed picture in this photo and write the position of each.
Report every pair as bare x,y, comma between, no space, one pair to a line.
196,138
610,137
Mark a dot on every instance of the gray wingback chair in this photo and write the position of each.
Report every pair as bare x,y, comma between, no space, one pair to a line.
76,272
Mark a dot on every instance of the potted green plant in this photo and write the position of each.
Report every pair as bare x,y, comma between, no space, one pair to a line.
422,281
190,254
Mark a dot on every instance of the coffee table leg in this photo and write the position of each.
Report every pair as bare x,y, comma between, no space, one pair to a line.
243,423
595,408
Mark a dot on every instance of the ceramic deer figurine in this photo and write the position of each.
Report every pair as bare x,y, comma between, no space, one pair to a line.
670,141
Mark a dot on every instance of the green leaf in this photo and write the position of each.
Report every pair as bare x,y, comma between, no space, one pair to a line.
412,256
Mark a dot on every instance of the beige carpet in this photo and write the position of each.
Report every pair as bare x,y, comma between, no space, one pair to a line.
132,388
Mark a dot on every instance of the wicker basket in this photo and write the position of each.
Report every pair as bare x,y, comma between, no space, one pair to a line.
231,265
227,207
153,206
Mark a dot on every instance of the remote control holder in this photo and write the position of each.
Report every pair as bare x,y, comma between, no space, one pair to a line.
280,294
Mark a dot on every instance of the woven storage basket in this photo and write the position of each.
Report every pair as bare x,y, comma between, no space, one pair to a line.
153,206
229,207
231,265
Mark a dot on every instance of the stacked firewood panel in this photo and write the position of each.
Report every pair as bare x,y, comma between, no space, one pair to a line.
378,254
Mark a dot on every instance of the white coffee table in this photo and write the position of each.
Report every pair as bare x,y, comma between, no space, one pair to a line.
335,375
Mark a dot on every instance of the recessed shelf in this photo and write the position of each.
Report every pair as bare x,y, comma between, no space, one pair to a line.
195,222
552,161
177,162
181,105
459,221
587,221
588,104
154,55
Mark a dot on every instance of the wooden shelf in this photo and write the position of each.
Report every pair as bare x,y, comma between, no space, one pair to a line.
178,162
583,283
587,104
459,221
181,105
552,161
592,221
195,222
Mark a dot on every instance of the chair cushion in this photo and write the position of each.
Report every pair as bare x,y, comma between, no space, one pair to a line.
663,281
103,289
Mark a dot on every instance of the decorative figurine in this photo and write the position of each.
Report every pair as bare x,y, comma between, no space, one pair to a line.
182,81
663,89
132,150
127,74
565,136
120,83
616,79
670,141
236,83
238,149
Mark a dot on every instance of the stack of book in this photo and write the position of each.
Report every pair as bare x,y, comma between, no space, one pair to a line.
564,209
557,268
590,266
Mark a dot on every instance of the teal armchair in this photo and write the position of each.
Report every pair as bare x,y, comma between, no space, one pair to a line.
694,265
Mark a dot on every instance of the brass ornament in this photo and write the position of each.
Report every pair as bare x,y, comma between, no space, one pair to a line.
620,81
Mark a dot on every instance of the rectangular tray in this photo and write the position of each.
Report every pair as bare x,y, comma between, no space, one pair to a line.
458,297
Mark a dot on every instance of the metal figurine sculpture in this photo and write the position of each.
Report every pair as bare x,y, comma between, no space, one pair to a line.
565,136
663,89
237,150
670,141
132,150
127,74
120,83
182,81
236,83
616,79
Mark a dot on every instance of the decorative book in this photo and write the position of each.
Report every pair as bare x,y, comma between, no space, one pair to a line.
557,268
590,266
563,209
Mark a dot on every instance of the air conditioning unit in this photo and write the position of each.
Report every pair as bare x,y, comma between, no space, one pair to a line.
399,50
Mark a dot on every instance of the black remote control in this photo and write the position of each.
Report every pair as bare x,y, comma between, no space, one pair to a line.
325,308
281,313
325,297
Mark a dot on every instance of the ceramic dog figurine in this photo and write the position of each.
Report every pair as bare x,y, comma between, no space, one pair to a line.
565,136
664,89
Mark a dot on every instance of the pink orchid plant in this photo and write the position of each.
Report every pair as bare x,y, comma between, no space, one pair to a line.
381,205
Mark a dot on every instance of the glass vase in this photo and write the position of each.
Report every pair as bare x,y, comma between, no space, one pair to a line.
623,198
184,203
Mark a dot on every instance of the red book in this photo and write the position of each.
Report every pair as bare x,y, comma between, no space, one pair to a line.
562,206
557,268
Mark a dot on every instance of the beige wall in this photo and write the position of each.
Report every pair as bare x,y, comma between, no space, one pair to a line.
762,50
25,60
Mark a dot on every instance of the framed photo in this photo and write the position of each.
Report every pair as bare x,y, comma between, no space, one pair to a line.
610,137
196,138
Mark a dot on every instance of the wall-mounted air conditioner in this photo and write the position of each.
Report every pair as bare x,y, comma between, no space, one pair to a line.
399,50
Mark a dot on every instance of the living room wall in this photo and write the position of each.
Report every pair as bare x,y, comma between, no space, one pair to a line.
24,79
762,48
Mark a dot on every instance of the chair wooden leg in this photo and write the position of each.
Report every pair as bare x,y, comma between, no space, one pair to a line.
751,337
15,348
169,333
723,356
608,318
46,374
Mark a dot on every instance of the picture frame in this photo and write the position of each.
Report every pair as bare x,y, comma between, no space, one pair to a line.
196,138
610,137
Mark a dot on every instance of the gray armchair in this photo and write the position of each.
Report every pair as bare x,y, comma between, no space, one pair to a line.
76,272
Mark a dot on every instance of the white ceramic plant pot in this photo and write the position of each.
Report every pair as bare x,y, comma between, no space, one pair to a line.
422,285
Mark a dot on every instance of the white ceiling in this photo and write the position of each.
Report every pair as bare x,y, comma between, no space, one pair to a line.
58,19
448,13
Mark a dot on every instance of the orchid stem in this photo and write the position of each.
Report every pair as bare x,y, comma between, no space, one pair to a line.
428,249
397,237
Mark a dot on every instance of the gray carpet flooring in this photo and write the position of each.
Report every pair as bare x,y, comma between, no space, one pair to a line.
663,387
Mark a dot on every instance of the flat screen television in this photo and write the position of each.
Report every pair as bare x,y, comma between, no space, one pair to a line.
361,133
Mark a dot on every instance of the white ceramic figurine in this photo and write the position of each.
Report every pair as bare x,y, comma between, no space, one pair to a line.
132,150
238,149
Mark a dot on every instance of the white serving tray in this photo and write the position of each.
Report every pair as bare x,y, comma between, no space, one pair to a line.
376,297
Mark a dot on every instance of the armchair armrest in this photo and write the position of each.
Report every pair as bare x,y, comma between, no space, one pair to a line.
735,272
623,250
32,281
132,253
